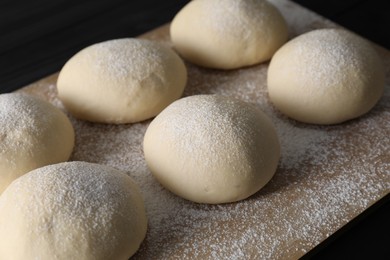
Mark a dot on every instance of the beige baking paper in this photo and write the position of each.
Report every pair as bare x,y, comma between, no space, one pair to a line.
327,174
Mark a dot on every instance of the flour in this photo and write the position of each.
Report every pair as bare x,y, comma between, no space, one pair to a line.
327,174
324,179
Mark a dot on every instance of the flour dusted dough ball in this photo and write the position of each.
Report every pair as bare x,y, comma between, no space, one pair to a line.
326,76
33,133
73,210
228,34
121,81
212,149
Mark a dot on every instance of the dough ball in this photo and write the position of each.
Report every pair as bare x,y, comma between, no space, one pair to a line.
326,76
121,81
212,149
33,133
228,34
73,210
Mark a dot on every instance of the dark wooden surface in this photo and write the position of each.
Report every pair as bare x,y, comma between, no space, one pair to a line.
37,37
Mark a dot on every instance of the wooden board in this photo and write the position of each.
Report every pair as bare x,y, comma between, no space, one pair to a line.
327,174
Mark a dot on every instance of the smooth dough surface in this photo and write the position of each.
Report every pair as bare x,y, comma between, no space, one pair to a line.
325,76
72,210
33,133
228,34
212,149
121,81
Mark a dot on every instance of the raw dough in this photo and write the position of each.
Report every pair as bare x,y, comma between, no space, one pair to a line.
121,81
212,149
228,34
326,76
33,133
73,210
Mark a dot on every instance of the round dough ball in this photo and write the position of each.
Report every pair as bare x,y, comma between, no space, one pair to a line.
33,133
73,210
212,149
326,76
228,34
121,81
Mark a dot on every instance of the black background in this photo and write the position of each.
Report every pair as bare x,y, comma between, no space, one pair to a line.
37,37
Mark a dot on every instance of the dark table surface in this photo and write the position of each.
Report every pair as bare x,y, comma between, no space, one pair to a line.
37,37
